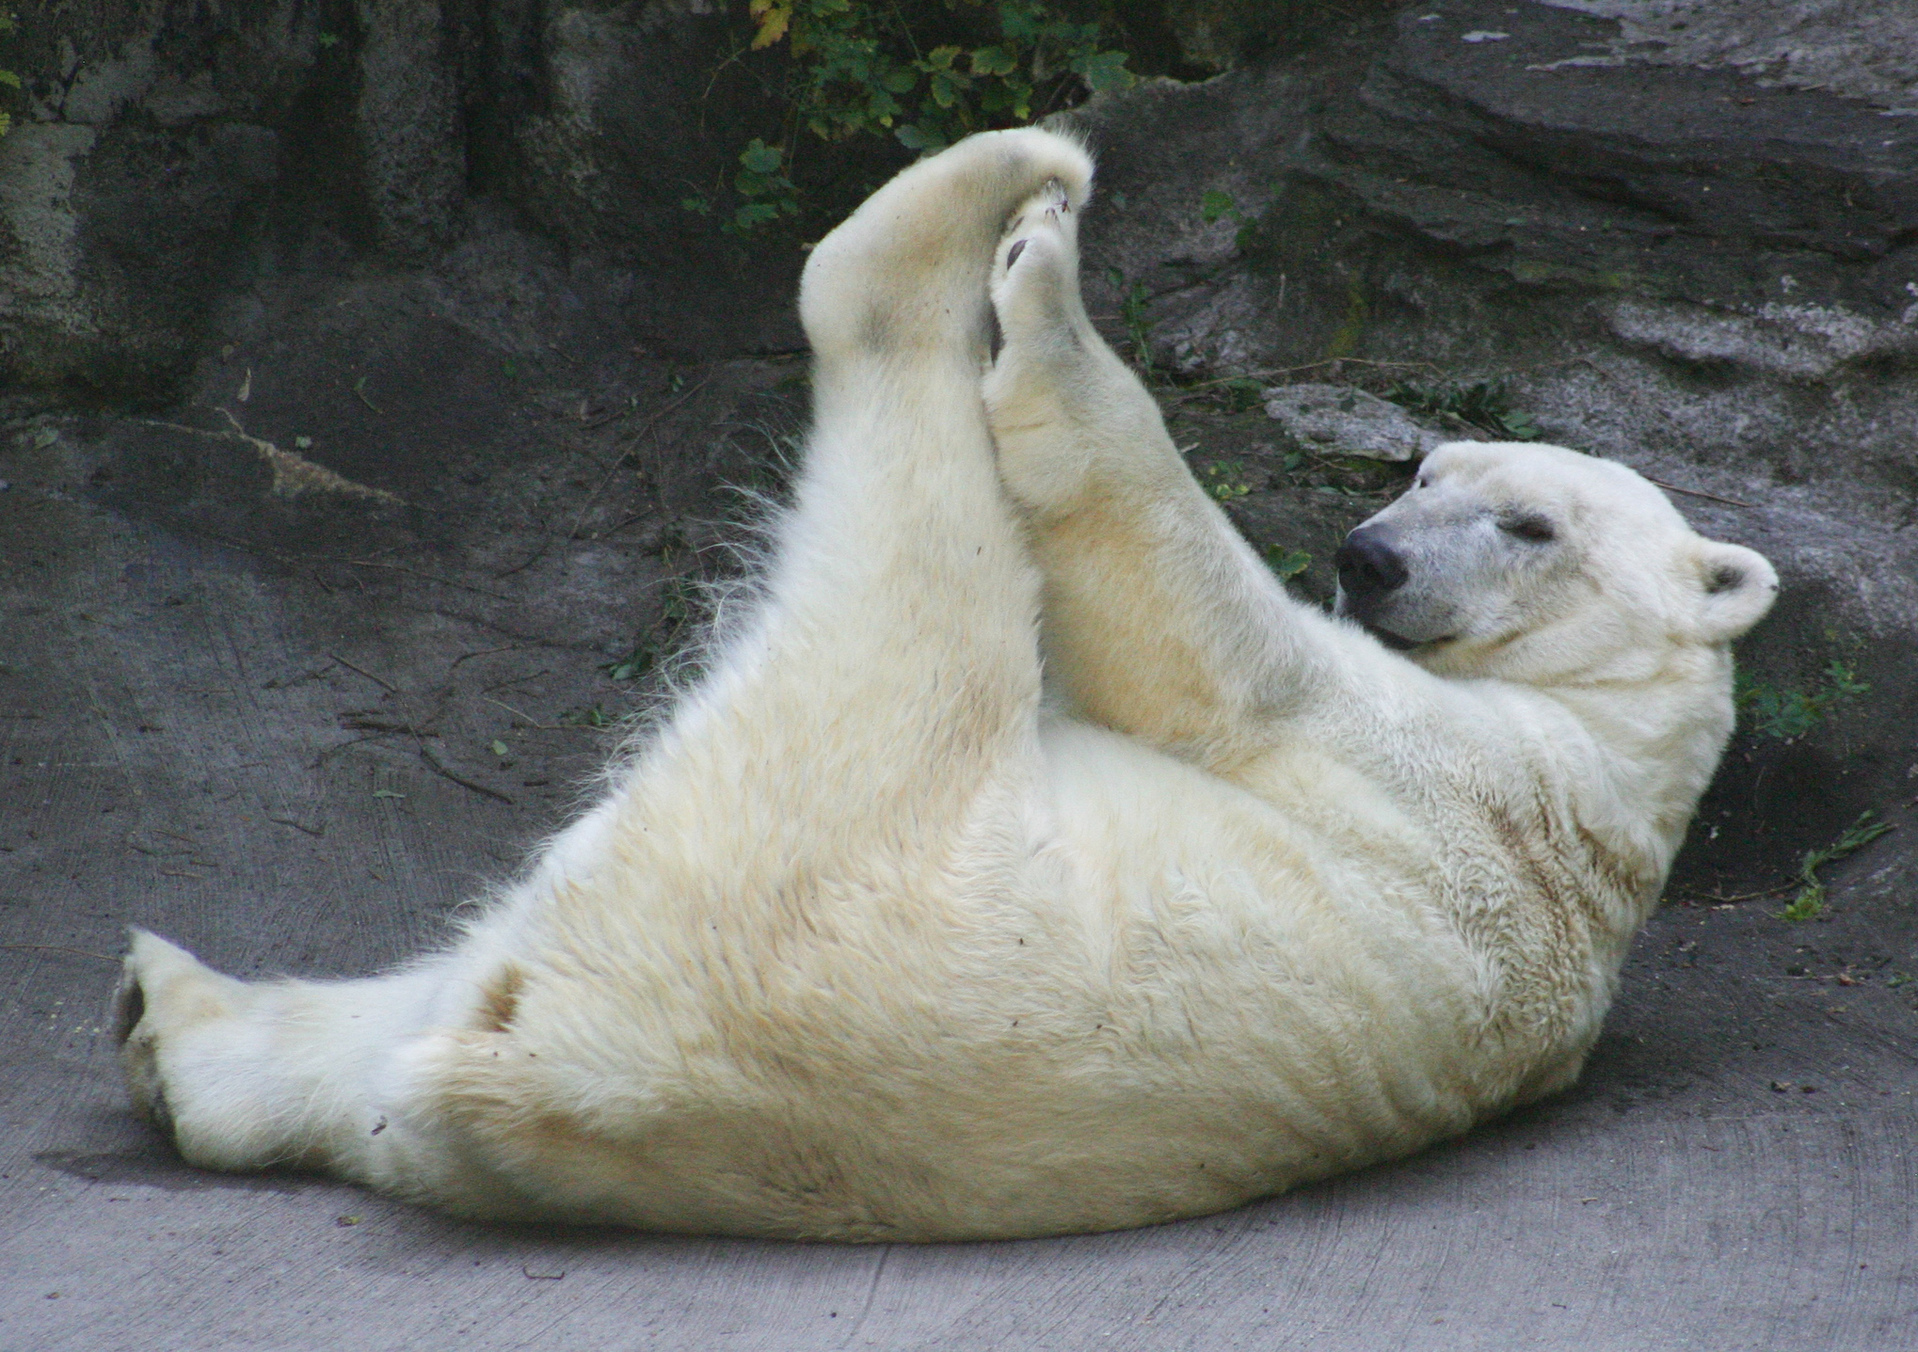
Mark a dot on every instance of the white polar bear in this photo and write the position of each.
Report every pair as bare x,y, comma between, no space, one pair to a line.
872,942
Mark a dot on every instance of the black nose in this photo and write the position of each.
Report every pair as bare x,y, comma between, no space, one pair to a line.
1368,565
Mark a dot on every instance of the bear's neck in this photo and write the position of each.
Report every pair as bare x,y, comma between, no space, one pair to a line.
1659,743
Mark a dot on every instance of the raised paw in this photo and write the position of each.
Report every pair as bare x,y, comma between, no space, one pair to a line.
1035,280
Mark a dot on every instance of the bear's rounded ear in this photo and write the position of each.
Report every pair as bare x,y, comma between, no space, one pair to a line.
1738,586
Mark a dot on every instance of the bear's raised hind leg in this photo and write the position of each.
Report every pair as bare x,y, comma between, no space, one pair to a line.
895,656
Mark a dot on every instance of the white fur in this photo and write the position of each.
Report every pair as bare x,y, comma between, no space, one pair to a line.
870,942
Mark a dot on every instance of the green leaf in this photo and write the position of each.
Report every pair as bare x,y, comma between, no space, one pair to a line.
994,61
1287,563
500,748
946,87
750,217
1019,21
1809,904
9,79
387,793
760,158
914,137
1217,203
1103,70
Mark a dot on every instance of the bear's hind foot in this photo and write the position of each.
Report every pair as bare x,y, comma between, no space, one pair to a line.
1035,278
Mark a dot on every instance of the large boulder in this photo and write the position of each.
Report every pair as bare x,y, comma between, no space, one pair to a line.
405,235
168,162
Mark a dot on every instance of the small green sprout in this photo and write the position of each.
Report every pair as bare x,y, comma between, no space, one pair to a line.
1287,563
1809,904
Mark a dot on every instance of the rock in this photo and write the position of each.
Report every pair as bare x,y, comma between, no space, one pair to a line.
168,165
1662,231
145,147
1219,34
607,119
410,130
1343,420
1863,49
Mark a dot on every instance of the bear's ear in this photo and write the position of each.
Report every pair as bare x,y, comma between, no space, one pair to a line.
1738,587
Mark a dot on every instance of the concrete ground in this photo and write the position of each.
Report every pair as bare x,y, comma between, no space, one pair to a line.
303,757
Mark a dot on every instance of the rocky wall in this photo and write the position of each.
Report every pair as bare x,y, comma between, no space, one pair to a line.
431,247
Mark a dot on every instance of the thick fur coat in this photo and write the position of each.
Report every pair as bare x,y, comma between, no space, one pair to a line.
881,936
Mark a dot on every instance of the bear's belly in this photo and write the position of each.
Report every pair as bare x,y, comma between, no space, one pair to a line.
1182,998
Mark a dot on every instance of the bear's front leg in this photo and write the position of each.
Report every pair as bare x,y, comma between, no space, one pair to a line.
1159,621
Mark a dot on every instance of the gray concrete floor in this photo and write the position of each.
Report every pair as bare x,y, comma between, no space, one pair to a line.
287,764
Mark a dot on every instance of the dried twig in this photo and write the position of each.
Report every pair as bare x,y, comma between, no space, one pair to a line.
430,577
1698,493
621,458
484,652
546,543
387,685
434,764
530,721
59,948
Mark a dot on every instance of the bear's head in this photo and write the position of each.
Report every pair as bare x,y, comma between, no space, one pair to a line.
1538,564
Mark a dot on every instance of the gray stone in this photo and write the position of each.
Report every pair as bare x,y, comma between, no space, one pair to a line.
408,119
1345,420
1863,49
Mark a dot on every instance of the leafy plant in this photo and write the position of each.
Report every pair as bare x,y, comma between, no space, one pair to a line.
1809,904
1287,563
925,74
764,190
1484,404
590,716
1789,713
1133,300
674,612
1225,481
1232,394
8,79
1216,204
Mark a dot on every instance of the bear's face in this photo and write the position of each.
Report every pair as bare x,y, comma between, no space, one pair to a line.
1536,563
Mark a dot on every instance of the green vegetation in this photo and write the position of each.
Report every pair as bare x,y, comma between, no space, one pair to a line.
592,716
8,79
1238,394
1484,404
674,612
1133,300
1217,204
1287,563
1809,904
925,74
1225,480
1788,714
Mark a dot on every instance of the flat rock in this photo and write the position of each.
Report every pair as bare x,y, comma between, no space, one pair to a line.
1345,420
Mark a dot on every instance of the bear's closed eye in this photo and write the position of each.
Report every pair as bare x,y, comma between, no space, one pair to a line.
1536,530
1725,579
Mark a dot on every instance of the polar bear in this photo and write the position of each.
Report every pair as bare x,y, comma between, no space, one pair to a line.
1030,862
